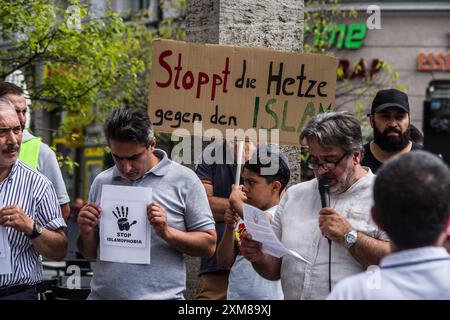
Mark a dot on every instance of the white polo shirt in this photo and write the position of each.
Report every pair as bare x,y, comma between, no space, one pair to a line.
422,273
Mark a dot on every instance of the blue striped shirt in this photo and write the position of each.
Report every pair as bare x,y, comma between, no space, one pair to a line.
34,193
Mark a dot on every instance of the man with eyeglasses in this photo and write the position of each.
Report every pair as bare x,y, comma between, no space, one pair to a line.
335,145
31,223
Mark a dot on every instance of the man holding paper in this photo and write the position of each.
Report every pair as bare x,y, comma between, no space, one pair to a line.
31,222
302,225
178,213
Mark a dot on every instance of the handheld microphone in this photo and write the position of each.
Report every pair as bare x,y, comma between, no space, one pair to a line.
324,190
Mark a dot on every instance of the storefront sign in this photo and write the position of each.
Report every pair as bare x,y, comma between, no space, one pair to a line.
341,36
433,61
363,69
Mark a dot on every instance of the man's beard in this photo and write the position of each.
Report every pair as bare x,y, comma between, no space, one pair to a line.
391,143
344,182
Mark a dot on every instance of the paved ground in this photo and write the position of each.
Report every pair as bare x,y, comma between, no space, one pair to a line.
192,266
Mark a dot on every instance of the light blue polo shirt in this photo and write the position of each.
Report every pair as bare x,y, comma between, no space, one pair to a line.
181,193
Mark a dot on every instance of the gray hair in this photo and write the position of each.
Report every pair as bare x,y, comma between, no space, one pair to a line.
340,129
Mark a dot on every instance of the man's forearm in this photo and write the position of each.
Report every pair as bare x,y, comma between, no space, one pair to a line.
194,243
87,244
218,207
369,251
51,244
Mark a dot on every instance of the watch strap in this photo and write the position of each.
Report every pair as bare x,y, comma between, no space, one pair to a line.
37,231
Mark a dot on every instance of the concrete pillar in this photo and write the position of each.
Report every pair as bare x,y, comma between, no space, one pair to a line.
257,23
270,24
275,24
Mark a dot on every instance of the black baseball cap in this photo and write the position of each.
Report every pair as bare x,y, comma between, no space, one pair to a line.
390,98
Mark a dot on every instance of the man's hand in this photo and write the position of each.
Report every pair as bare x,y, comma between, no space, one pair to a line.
333,225
88,218
251,249
237,198
14,217
157,216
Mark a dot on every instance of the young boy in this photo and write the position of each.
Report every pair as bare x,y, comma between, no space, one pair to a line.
261,191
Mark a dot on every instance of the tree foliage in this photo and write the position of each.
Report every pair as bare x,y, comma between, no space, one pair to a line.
77,59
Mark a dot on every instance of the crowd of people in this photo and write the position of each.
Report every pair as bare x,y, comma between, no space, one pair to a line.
388,211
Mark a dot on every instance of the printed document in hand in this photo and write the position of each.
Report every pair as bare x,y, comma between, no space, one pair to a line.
5,252
258,225
125,233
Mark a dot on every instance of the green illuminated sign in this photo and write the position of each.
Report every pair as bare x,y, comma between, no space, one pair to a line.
341,36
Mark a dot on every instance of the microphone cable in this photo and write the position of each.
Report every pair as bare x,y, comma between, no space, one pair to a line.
329,265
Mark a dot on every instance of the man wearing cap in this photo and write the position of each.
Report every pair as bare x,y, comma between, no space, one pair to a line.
390,121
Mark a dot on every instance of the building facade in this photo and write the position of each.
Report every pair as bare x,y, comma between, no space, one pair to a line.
414,39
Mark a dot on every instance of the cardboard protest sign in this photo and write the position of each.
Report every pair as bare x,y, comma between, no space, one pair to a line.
230,87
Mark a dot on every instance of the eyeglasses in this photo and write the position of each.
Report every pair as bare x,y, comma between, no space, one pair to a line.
314,164
4,131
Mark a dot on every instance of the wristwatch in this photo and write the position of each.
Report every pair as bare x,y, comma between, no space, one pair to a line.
350,239
37,231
